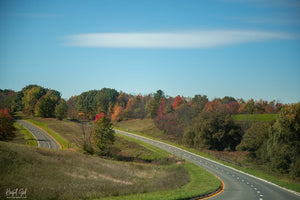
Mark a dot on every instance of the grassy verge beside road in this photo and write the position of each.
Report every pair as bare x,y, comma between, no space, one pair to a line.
201,183
133,127
23,136
43,125
62,141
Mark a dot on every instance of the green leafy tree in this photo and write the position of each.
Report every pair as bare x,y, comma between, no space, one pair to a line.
86,102
19,104
216,130
7,129
18,101
284,141
254,138
72,111
103,134
45,107
61,109
155,103
227,99
106,100
198,102
188,137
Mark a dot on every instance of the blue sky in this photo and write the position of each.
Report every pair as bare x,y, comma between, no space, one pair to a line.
240,48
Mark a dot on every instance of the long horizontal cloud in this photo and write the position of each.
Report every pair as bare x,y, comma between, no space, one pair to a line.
193,39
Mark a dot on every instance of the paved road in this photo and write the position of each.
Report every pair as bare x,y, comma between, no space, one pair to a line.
43,139
238,185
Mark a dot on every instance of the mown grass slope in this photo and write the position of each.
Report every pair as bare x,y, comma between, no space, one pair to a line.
255,117
56,174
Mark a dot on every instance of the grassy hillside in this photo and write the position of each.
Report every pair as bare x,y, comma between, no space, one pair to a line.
52,174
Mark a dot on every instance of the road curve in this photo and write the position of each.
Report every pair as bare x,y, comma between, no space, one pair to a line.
43,139
238,185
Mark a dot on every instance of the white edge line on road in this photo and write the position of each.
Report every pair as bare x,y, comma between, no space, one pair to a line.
216,163
60,147
49,145
38,142
48,134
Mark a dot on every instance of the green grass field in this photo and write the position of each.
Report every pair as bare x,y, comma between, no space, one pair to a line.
255,117
50,174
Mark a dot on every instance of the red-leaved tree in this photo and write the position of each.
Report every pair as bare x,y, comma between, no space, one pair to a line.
7,129
177,102
99,117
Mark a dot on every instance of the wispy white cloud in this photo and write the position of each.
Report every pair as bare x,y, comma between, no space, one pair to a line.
192,39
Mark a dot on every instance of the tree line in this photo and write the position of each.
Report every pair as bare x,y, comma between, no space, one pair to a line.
39,101
34,100
195,122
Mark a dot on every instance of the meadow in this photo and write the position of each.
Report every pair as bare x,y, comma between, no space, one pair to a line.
55,174
138,170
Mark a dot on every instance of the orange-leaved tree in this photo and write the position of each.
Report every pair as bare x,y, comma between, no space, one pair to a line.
177,102
117,114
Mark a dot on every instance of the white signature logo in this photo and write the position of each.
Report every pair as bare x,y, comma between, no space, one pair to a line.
16,193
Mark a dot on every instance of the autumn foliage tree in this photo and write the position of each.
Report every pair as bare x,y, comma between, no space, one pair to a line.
7,99
7,129
177,102
122,99
213,105
31,97
117,114
168,122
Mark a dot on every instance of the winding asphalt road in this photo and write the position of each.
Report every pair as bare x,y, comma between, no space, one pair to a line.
238,185
43,139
